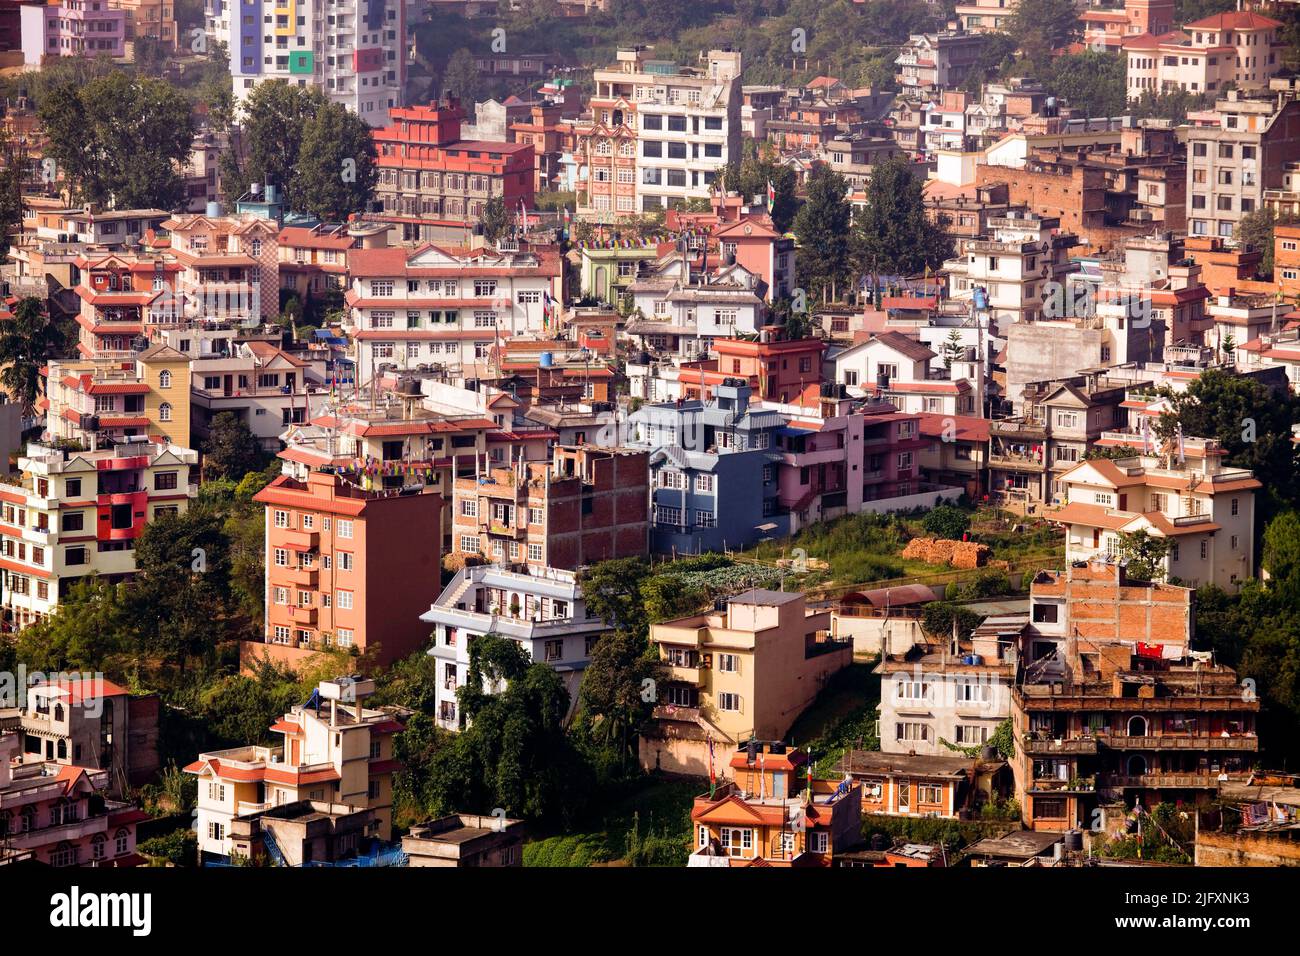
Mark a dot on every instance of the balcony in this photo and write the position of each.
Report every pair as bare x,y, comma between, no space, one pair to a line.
1011,462
243,808
301,540
685,674
1072,785
1180,781
303,616
1246,744
1036,746
304,577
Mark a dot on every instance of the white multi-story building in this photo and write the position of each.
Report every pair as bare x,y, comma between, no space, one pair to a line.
659,133
335,750
1239,47
76,513
353,51
428,307
1014,266
542,609
1183,493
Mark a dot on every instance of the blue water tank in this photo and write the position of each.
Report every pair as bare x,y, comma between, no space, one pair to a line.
981,298
545,360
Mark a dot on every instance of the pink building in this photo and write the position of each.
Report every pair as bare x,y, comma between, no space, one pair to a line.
754,245
59,815
72,28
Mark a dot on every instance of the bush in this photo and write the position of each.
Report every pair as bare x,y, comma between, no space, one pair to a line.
946,522
179,848
937,618
992,582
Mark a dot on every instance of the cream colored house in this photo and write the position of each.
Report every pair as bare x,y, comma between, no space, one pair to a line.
746,671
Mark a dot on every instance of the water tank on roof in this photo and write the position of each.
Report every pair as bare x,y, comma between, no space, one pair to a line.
981,298
270,193
1074,841
214,209
546,360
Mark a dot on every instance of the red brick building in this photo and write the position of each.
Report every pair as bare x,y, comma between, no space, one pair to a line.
586,505
347,568
784,370
434,185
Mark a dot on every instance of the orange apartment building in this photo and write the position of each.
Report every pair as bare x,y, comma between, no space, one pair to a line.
346,567
586,504
773,813
785,370
433,185
1113,707
1286,262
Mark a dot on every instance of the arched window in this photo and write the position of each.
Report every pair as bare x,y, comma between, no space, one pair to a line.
165,379
97,846
6,820
27,820
58,713
1137,765
61,749
165,412
122,839
65,854
1137,726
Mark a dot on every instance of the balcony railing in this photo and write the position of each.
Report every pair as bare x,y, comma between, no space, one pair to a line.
1179,742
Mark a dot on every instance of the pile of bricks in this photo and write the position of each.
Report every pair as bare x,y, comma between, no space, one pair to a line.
959,554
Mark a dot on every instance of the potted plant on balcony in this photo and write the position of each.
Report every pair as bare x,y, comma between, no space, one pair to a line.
514,607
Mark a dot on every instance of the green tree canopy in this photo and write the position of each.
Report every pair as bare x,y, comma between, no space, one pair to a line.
893,236
822,227
336,172
27,342
118,140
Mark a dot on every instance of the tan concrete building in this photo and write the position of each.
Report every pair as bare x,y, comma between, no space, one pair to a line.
732,675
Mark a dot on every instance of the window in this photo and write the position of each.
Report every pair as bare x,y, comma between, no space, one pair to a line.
706,519
72,521
819,841
729,702
344,528
345,560
344,637
165,412
164,379
729,663
164,480
704,484
344,600
75,556
534,552
469,507
535,516
911,731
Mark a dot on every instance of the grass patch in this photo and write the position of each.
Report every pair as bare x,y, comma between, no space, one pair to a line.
844,715
649,827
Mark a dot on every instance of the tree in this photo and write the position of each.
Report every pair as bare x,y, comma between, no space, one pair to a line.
1144,555
231,451
497,219
273,121
1111,452
119,140
336,171
822,227
953,349
946,521
893,235
27,342
461,78
1255,229
618,692
1094,81
1281,557
90,631
514,753
1041,27
179,599
1252,424
751,175
13,161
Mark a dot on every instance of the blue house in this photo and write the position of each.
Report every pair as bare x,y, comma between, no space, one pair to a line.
713,471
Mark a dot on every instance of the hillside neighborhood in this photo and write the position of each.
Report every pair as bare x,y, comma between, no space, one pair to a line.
648,433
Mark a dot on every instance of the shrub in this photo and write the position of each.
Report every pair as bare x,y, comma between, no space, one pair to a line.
946,522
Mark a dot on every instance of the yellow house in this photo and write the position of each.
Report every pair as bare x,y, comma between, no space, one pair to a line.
729,676
167,403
